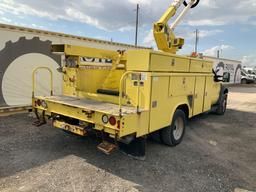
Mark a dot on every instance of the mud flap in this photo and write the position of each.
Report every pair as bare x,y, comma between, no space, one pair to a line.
40,119
136,149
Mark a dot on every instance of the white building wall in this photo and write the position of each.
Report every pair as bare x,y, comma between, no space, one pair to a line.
231,68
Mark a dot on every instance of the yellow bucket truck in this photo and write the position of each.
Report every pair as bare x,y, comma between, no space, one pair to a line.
124,96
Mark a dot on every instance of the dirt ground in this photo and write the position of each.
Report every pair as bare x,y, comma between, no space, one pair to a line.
218,153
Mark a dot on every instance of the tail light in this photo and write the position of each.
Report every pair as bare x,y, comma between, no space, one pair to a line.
112,120
39,102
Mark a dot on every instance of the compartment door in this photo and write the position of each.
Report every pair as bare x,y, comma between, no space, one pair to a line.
199,95
208,93
160,107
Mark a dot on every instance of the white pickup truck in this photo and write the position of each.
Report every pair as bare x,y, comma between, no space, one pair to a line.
248,76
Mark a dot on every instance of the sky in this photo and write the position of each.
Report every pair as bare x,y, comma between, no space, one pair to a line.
225,25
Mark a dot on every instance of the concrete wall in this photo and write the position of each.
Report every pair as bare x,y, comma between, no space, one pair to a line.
23,49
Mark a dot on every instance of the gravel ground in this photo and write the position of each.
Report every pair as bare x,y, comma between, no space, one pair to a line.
218,154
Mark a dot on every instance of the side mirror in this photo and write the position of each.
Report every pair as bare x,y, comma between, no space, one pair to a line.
217,78
226,77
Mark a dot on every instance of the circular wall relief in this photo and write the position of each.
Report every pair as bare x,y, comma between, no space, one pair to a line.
17,79
238,73
14,50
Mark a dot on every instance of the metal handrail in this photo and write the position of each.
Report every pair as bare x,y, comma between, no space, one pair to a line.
33,79
121,86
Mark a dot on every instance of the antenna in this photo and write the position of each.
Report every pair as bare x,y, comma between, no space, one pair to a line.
197,39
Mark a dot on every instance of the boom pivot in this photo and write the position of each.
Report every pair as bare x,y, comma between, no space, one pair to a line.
164,35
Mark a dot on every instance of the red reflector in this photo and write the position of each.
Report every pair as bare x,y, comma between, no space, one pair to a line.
112,120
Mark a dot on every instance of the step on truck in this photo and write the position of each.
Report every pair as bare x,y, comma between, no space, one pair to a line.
124,96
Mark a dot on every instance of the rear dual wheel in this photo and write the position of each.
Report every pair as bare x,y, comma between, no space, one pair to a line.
173,134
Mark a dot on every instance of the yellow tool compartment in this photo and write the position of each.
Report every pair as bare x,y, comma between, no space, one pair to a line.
176,80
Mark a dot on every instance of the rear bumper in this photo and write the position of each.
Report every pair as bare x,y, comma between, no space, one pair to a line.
250,81
83,114
71,128
91,112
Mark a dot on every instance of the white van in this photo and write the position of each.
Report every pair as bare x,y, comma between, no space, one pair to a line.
247,77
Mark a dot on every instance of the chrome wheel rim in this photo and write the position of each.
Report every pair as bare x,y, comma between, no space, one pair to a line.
178,128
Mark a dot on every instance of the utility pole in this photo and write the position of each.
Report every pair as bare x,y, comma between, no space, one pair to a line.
137,25
197,39
219,52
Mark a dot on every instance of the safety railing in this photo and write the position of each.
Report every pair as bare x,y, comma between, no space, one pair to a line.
33,79
122,91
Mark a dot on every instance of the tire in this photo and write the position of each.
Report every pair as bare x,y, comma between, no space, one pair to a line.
170,135
243,81
221,109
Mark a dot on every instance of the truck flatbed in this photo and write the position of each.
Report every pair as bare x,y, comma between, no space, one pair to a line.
89,104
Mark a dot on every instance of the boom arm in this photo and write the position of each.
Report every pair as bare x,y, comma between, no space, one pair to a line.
164,35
